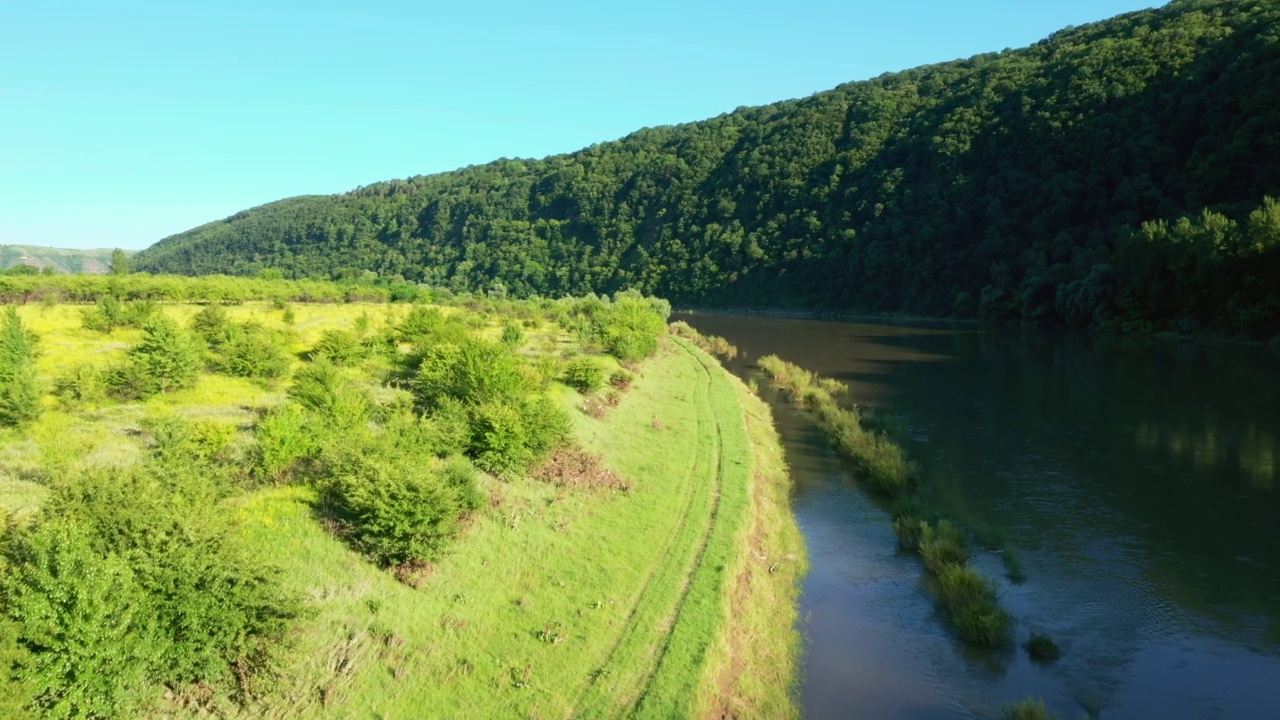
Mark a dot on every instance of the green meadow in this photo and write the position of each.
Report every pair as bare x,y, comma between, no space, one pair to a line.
641,562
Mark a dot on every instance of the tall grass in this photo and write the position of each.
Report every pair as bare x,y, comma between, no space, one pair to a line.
883,463
868,439
973,606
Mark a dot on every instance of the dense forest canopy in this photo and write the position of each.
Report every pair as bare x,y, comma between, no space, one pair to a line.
1115,174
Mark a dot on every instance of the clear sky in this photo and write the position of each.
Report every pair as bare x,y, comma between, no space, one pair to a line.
124,121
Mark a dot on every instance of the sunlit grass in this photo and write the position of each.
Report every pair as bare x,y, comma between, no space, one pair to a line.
553,603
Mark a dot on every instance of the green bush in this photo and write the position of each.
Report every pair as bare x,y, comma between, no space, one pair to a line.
110,313
584,375
16,691
285,438
631,325
473,373
213,324
427,326
341,347
20,390
180,440
398,508
512,335
253,352
499,441
322,388
85,620
82,384
449,427
166,359
217,612
510,437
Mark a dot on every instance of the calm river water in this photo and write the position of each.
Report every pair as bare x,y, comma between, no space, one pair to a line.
1138,479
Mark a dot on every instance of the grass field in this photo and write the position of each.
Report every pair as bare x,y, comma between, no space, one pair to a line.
673,599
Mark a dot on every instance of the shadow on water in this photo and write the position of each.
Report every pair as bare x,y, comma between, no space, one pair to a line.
1138,479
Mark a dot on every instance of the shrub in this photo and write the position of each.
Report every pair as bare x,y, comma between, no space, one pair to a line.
513,436
631,325
212,324
217,612
179,440
82,384
499,442
942,546
547,426
426,326
322,388
16,692
253,352
512,335
284,439
20,390
166,359
473,373
1042,647
85,619
340,347
584,375
448,429
398,509
621,380
110,314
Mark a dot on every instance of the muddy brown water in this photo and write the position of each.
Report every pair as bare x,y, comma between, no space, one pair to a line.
1139,481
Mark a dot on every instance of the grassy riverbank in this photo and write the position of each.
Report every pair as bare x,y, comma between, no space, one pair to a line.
666,591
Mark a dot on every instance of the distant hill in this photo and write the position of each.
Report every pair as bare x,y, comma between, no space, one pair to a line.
91,262
1112,175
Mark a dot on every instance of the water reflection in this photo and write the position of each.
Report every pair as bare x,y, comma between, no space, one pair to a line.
1138,479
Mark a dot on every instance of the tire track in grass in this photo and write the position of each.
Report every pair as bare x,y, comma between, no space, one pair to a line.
704,541
599,697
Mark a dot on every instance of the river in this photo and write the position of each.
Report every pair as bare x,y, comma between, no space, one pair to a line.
1137,478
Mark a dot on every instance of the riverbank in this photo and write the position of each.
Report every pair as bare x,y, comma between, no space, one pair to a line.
668,593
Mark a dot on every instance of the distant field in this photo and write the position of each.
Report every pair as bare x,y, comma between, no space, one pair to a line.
673,599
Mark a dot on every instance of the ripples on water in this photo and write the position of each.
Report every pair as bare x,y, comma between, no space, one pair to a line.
1138,481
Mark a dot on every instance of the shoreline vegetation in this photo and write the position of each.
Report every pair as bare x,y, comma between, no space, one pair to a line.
296,499
867,439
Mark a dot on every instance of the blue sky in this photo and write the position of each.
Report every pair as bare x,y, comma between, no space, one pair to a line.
122,122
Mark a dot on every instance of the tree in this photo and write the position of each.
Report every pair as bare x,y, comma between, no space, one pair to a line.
168,358
119,262
19,385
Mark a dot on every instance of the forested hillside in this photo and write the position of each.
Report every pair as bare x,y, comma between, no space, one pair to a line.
1114,174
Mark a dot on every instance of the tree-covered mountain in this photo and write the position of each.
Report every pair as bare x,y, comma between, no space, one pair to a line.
1112,174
